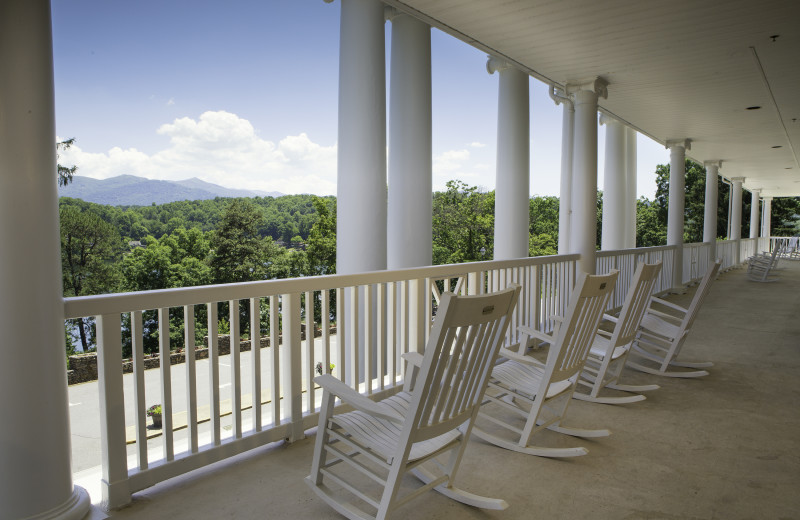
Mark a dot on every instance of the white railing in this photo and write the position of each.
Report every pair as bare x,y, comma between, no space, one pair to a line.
270,395
625,260
747,248
726,250
695,261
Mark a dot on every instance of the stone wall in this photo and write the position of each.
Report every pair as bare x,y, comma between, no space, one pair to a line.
83,367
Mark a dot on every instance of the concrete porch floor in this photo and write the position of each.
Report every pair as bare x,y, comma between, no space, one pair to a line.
720,447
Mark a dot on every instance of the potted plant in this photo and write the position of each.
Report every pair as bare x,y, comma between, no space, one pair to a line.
155,412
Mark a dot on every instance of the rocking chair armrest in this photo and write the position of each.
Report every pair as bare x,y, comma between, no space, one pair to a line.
356,400
664,315
510,354
536,333
610,318
671,305
604,333
413,358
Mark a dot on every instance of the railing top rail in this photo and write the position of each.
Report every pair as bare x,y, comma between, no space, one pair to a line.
80,306
637,250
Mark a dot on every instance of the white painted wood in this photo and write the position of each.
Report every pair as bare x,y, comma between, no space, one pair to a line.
236,368
710,208
631,190
539,393
754,212
663,332
213,371
255,365
137,351
164,357
401,433
275,372
191,377
309,369
116,492
609,351
291,365
677,196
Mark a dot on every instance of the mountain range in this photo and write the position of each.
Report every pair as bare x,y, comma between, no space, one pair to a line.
129,190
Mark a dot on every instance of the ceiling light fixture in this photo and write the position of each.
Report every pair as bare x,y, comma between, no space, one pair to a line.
778,146
754,107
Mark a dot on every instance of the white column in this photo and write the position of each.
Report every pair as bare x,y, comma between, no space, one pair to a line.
766,220
736,207
35,469
583,233
615,203
677,199
736,215
754,213
512,192
409,240
361,175
565,194
630,163
711,204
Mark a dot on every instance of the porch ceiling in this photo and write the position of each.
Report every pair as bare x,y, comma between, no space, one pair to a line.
678,69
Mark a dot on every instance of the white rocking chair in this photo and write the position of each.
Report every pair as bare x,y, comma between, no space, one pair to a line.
380,442
759,267
540,393
609,350
663,333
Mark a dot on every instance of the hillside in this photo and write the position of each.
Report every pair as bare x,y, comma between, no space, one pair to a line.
129,190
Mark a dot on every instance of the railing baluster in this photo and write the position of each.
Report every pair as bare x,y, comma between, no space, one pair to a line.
380,329
166,383
191,377
213,371
355,329
391,333
137,348
369,344
309,368
274,344
236,368
255,353
325,326
116,491
340,328
291,365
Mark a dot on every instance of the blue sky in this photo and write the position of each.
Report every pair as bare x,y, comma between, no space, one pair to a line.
244,94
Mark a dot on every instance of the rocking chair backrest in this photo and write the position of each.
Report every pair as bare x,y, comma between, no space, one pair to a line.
700,294
459,357
636,303
588,301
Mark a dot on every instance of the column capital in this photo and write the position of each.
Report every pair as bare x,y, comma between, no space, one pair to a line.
606,119
389,12
715,163
495,64
738,179
597,85
767,199
559,95
686,144
755,191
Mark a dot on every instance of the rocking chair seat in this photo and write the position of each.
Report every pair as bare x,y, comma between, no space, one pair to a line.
659,326
526,379
600,348
381,436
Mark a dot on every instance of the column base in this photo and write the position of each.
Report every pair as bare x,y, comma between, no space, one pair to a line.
75,508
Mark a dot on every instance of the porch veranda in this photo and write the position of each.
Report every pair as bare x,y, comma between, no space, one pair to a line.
722,446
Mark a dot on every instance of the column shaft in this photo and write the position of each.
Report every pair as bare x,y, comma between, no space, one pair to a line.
766,221
565,194
512,191
36,475
711,203
677,199
754,213
630,164
409,240
736,215
615,202
361,177
583,232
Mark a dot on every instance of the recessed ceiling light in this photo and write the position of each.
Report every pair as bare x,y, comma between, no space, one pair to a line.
774,37
754,107
778,146
789,169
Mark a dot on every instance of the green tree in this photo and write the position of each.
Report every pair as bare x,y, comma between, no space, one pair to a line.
90,249
463,224
239,251
65,173
321,245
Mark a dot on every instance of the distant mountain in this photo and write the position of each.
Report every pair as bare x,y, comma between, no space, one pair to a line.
129,190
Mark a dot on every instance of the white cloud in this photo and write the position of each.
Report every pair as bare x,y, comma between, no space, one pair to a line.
476,144
171,102
222,148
